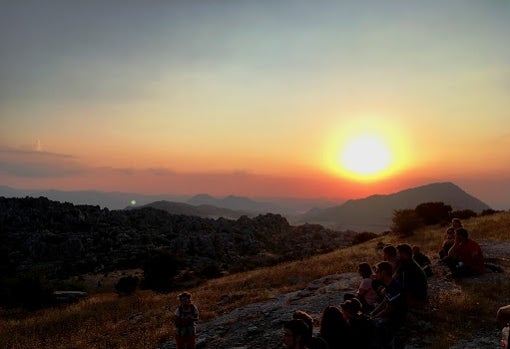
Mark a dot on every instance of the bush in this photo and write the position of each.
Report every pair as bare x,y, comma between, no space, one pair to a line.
433,212
126,285
405,221
488,212
463,214
362,237
159,270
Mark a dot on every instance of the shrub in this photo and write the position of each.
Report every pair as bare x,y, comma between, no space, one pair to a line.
159,270
362,237
405,221
433,212
488,212
126,285
463,214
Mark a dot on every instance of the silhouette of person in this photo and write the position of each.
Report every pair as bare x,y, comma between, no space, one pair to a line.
295,334
465,257
185,318
422,260
312,341
333,327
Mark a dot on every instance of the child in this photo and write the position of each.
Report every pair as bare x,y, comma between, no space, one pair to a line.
186,316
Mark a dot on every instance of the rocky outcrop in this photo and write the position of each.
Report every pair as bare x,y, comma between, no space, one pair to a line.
62,239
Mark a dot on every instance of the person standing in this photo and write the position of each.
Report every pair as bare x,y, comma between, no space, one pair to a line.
185,318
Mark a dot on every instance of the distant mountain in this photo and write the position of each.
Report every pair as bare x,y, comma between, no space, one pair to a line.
236,203
111,200
204,211
375,212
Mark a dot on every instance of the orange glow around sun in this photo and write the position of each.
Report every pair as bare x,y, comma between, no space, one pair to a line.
367,151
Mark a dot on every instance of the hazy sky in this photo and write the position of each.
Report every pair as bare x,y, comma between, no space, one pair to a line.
257,98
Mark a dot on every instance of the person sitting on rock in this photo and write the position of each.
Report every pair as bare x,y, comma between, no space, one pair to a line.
295,334
312,342
447,243
359,326
422,260
333,327
366,293
390,315
412,278
465,257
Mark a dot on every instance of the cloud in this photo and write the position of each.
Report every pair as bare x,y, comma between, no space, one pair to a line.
33,163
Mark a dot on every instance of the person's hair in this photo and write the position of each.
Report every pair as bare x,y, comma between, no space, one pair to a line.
457,220
406,249
450,231
307,318
184,295
390,250
416,249
333,326
462,232
298,328
386,267
365,270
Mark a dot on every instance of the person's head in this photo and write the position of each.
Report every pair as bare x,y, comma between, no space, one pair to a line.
461,235
184,298
295,333
365,270
450,233
307,318
416,250
351,308
332,322
456,223
504,337
405,252
384,272
389,252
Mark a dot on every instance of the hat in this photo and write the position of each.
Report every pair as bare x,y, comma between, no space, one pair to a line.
352,306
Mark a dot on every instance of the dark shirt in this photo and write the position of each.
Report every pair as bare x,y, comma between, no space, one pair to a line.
413,281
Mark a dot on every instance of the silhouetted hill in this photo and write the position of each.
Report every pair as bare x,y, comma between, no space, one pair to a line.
375,212
237,203
204,211
62,239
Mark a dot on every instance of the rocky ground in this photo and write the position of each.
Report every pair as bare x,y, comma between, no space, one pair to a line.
259,325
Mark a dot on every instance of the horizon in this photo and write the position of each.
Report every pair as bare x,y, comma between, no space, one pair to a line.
289,99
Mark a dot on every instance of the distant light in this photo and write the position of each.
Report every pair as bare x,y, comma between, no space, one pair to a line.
133,202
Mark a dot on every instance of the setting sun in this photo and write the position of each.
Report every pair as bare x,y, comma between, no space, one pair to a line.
365,156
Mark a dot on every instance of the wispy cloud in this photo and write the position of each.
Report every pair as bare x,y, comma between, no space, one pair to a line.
37,163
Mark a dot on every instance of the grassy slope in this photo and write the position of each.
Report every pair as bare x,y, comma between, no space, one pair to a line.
144,320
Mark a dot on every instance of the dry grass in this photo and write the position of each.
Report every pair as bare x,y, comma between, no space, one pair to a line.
144,320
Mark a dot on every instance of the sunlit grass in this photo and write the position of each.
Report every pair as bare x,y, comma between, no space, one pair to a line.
144,319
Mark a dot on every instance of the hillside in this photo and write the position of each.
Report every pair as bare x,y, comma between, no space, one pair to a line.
236,309
204,211
375,212
62,239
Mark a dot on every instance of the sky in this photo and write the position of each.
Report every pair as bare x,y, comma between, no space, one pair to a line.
330,99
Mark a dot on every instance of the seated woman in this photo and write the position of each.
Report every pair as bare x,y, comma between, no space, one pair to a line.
366,293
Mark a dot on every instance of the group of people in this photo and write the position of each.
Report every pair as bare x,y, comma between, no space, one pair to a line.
371,317
391,290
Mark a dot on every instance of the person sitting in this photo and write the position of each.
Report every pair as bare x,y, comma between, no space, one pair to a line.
390,255
447,243
333,327
390,315
359,326
366,293
312,342
295,334
465,257
412,278
422,260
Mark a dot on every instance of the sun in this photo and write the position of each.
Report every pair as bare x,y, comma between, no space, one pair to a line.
365,157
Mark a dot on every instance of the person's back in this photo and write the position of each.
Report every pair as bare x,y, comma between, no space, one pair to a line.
422,260
333,327
412,278
312,341
360,329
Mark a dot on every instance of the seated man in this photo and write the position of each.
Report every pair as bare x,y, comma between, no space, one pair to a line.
422,260
412,278
447,243
465,258
390,315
